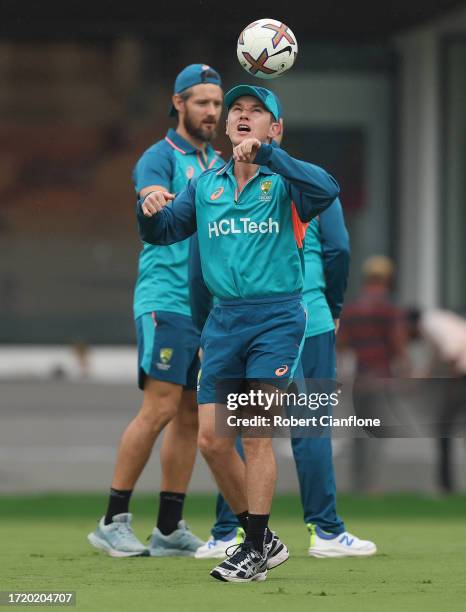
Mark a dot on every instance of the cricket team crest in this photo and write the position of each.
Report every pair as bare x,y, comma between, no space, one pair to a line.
165,356
266,186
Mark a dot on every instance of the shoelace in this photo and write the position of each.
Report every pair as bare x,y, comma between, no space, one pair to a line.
186,537
235,547
125,530
242,550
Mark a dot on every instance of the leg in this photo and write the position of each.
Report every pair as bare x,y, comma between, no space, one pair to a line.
179,445
272,354
114,534
163,348
444,465
223,459
265,358
314,463
313,455
177,457
226,520
261,474
227,530
159,406
171,536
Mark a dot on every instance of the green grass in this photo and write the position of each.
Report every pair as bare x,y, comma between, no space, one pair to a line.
421,564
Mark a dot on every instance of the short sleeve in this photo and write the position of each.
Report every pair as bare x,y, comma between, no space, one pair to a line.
153,168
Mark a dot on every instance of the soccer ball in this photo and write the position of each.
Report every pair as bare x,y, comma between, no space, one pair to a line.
267,48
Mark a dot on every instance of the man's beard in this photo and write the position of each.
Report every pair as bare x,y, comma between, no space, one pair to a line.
199,133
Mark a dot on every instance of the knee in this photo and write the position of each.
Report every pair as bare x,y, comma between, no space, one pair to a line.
255,446
156,413
211,446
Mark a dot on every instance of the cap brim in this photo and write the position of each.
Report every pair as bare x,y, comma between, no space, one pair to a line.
238,91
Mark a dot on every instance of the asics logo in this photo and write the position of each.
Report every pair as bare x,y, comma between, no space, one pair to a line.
217,193
281,371
243,225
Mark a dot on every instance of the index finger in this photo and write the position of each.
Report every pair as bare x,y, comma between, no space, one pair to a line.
169,196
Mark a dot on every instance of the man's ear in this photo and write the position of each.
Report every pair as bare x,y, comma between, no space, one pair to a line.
178,102
278,138
226,126
275,130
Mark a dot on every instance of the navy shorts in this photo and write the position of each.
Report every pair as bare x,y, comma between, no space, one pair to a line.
168,347
251,339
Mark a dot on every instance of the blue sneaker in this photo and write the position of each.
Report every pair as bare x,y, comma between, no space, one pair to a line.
180,543
117,539
216,549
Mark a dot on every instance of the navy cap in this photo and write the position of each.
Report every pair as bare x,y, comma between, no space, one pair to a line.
194,74
267,97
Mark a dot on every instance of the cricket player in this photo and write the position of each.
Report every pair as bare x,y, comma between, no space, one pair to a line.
168,343
249,216
326,256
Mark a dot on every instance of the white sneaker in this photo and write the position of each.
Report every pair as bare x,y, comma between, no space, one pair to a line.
328,545
216,549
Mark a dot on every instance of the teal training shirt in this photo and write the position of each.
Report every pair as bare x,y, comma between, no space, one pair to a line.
162,282
250,242
249,248
319,317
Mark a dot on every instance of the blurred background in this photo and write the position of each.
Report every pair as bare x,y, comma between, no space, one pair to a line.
377,96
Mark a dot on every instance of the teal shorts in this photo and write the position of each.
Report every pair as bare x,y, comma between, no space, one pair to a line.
168,347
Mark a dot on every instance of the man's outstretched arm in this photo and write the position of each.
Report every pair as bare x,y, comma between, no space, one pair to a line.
164,219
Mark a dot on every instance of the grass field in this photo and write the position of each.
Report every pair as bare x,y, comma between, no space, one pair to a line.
421,563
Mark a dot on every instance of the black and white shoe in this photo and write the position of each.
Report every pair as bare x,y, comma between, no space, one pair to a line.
277,552
244,565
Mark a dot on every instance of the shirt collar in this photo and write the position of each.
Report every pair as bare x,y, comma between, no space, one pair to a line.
182,145
230,166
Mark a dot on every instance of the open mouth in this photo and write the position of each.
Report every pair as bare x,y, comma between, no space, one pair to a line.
243,128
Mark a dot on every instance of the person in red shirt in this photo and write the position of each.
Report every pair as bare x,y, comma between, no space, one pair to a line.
374,329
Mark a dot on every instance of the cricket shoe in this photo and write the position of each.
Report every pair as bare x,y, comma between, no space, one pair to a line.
217,549
325,545
117,538
244,565
277,553
179,543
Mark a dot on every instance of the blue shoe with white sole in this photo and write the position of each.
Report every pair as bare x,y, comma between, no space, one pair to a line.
180,543
117,539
